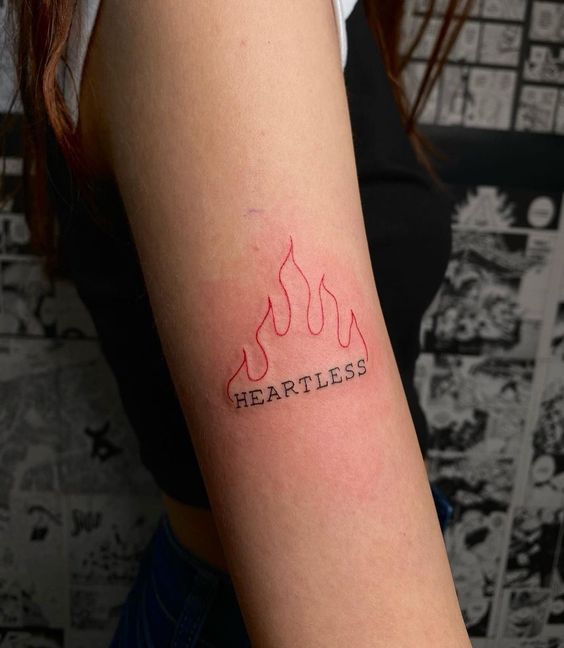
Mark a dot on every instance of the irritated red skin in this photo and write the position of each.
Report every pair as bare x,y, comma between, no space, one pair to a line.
343,338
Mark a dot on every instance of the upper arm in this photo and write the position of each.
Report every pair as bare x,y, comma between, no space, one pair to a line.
230,138
228,130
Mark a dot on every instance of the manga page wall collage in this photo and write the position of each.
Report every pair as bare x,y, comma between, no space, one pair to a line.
491,375
492,388
505,72
77,508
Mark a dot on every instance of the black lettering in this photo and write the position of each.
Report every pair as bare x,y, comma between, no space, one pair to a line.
361,366
333,371
241,399
319,385
307,383
287,389
272,393
254,398
305,379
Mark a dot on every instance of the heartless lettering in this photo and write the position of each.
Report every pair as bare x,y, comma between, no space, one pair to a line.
303,385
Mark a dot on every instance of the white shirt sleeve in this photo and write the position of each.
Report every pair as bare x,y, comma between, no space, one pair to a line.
343,9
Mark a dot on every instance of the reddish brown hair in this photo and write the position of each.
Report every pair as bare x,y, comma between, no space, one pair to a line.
40,29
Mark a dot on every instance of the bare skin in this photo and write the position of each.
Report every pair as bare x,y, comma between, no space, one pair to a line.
194,527
322,510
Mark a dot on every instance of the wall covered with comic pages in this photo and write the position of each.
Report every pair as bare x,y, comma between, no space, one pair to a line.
76,507
491,374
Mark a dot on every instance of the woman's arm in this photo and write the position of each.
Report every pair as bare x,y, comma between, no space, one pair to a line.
228,131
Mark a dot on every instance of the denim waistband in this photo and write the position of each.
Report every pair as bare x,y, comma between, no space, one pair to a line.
178,599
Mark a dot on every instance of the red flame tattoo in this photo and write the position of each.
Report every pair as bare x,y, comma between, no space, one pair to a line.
346,331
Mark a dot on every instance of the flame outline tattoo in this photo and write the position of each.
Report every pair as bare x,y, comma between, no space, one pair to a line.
353,323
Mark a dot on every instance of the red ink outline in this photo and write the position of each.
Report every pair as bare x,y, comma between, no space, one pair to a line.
270,309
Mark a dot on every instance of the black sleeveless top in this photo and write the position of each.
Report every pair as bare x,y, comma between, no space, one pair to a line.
408,229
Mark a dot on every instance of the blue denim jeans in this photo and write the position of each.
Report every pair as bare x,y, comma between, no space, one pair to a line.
179,600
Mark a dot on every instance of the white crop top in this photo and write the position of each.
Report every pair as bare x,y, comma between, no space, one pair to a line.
81,30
